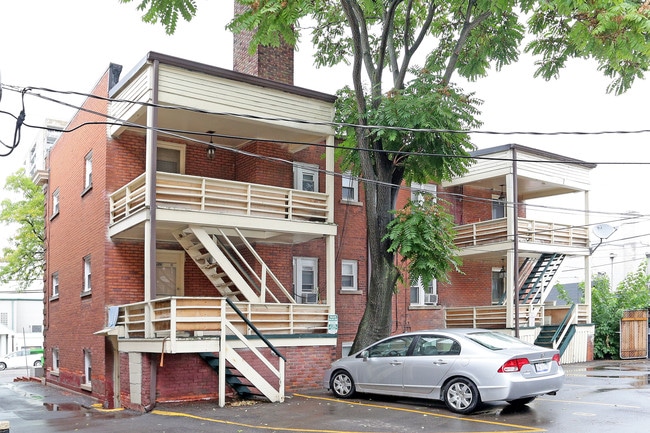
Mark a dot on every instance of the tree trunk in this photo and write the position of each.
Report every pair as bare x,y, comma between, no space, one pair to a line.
380,199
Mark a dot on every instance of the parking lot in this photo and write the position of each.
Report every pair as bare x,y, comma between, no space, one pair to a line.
601,396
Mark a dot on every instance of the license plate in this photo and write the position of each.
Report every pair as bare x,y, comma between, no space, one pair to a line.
542,367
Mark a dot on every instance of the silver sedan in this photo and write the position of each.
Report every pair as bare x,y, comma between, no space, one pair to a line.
462,367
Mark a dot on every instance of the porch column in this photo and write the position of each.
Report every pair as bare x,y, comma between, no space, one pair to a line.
511,263
330,245
587,262
150,195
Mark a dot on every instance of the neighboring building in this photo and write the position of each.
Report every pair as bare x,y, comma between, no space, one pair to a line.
21,320
37,153
201,209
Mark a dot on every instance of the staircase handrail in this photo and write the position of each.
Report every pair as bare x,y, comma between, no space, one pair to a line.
265,268
255,330
561,330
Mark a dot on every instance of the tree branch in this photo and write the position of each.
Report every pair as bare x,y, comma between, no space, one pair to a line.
410,51
468,26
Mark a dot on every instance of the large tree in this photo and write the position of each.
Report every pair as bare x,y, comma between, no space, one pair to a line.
407,119
23,260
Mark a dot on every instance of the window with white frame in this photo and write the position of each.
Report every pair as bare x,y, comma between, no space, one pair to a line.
88,171
305,177
87,368
87,287
419,191
170,158
55,202
305,279
55,284
55,359
349,275
421,295
349,187
4,318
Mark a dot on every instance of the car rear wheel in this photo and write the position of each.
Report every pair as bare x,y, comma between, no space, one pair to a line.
461,395
342,384
521,401
37,363
2,366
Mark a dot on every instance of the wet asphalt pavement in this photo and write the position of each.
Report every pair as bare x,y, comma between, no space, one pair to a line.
602,396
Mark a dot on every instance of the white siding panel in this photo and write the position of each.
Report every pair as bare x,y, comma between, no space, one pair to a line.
138,90
186,88
570,175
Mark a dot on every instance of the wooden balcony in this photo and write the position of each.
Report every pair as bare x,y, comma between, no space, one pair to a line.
198,199
530,232
494,316
180,324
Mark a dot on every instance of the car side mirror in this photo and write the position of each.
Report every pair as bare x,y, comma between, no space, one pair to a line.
365,355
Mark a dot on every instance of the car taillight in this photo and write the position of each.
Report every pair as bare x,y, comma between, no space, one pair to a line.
556,358
513,365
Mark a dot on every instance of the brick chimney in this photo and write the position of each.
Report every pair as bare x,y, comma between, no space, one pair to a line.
268,62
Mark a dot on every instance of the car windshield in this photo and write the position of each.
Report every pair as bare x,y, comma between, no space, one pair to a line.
494,340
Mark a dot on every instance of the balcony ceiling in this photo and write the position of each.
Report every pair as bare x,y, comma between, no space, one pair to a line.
229,130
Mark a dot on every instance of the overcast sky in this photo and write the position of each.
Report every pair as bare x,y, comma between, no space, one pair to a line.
68,44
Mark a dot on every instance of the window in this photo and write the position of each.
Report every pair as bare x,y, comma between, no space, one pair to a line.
421,295
305,177
88,173
498,286
418,191
171,158
350,187
397,346
349,275
55,360
433,345
498,207
305,277
4,318
55,203
87,275
87,369
55,284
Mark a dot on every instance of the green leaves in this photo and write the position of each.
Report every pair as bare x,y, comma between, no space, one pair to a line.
24,259
166,12
423,235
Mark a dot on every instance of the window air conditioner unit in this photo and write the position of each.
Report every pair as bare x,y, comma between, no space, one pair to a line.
430,298
309,298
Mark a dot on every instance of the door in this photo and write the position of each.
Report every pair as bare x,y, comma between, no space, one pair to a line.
429,363
383,368
305,280
169,273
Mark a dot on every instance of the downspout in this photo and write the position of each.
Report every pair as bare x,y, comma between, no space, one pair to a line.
515,241
150,225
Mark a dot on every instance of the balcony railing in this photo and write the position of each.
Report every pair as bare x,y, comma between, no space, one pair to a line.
175,317
175,191
531,231
494,316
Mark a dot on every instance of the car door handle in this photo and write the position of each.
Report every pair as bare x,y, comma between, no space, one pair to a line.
440,362
396,363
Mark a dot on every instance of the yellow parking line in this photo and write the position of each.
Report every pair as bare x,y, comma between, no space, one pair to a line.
520,428
592,403
509,428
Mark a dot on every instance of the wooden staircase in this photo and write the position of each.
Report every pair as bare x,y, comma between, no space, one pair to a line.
537,285
235,379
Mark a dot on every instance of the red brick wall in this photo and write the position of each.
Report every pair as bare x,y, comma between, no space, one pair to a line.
77,231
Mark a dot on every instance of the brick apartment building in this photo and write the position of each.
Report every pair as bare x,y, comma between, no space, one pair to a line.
185,212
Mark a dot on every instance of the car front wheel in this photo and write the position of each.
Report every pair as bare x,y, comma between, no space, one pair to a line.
2,366
342,384
461,395
37,363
